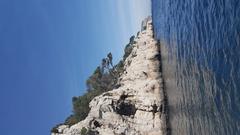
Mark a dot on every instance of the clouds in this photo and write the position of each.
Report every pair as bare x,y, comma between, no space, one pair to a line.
131,13
139,9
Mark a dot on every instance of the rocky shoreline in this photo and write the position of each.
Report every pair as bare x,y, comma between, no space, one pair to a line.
139,105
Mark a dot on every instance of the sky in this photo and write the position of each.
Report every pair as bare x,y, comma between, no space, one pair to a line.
48,48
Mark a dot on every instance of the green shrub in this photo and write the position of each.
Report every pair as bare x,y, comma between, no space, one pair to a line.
128,48
81,104
71,120
127,51
83,131
54,130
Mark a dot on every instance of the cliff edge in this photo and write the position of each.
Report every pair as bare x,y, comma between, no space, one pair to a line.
136,107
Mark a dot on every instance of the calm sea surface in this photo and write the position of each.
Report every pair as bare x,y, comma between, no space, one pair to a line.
200,46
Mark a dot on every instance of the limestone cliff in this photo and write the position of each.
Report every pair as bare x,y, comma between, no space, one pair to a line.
136,107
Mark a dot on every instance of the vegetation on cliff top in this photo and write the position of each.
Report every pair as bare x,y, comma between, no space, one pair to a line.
104,78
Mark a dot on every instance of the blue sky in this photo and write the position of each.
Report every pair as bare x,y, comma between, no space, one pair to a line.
47,50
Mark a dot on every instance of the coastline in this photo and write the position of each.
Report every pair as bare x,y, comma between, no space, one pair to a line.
139,104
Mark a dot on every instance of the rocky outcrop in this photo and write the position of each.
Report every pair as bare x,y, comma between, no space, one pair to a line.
136,107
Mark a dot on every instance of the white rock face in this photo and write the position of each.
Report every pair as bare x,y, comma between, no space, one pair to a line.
136,107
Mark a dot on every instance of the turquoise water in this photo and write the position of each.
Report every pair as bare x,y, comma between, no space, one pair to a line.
200,46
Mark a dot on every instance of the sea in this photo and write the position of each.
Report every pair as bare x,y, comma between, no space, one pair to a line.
200,49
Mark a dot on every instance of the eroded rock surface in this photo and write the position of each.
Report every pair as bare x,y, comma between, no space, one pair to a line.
136,107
